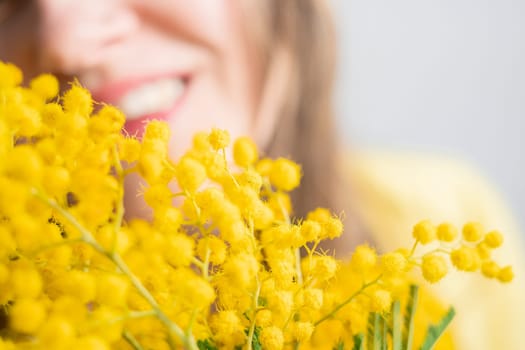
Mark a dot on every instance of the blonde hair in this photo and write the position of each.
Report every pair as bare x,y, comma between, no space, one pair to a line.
306,130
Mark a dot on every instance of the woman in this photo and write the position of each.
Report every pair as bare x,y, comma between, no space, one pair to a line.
245,66
263,69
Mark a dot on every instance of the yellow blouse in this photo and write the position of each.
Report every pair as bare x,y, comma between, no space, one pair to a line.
394,191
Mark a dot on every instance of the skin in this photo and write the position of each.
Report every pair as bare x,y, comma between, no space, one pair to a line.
115,46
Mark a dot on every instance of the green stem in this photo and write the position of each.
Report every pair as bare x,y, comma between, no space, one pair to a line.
286,217
255,306
206,264
129,315
132,340
54,245
299,270
413,248
348,300
117,260
134,314
119,213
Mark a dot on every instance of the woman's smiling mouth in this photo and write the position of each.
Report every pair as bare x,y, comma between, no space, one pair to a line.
144,99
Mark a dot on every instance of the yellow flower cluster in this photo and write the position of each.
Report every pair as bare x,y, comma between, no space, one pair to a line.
223,270
469,252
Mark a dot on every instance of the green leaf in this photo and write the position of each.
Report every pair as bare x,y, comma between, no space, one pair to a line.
434,332
375,333
206,344
262,302
397,335
410,312
340,345
370,327
256,343
385,334
359,343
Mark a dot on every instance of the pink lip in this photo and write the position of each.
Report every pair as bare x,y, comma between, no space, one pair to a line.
111,93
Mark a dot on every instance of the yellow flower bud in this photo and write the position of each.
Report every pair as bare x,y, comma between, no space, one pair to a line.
310,230
214,247
264,166
324,267
434,267
464,258
506,274
151,166
129,149
77,100
24,164
111,290
219,139
483,250
190,174
26,315
179,250
393,262
271,338
26,282
7,242
71,309
112,330
285,175
447,232
281,302
26,118
56,180
380,300
200,294
90,343
424,232
263,318
332,228
250,178
313,298
227,327
245,151
493,239
167,220
108,120
200,142
490,269
241,269
56,333
10,75
45,85
4,273
472,232
302,331
158,196
157,130
363,259
51,114
78,284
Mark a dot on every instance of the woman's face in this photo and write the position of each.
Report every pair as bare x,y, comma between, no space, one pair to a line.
194,66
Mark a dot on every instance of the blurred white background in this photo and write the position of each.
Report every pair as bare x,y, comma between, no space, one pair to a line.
438,76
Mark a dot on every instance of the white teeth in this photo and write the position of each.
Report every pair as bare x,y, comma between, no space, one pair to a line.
150,98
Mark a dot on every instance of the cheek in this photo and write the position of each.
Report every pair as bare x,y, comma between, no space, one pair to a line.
231,86
209,105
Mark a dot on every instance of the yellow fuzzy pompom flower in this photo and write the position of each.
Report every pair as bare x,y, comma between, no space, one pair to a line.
434,267
424,232
222,261
285,175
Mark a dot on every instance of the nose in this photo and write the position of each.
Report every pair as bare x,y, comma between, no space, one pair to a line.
75,35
